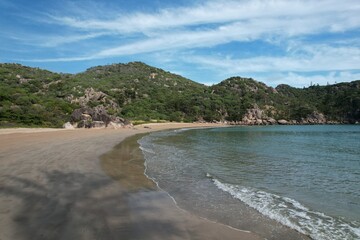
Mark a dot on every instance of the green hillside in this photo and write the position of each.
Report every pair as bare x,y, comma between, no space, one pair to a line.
136,91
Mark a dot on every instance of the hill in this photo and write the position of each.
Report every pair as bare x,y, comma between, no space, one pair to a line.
135,91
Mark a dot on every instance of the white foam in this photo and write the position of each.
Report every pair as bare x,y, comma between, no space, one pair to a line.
147,150
182,129
293,214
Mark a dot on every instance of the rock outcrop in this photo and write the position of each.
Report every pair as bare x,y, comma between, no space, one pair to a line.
283,122
68,125
314,118
257,116
95,98
96,117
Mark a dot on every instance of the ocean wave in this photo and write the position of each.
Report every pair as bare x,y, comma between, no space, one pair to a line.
182,130
146,150
291,213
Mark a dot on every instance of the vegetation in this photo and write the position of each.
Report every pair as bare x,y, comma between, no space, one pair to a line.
136,91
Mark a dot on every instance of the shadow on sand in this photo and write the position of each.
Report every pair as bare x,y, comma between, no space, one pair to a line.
72,205
79,206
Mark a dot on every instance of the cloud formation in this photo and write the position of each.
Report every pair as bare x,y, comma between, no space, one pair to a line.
301,35
310,59
328,15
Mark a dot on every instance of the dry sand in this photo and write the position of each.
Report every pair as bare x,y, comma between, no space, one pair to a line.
72,184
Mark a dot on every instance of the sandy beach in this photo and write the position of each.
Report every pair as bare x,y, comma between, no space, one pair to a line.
75,184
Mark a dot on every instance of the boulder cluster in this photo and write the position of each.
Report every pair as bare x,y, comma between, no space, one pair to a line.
256,116
90,95
98,116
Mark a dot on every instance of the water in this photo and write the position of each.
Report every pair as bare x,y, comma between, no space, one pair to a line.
304,177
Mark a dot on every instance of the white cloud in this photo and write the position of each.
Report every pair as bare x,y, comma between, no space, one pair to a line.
186,27
54,41
302,80
208,24
60,59
60,40
304,59
218,12
190,39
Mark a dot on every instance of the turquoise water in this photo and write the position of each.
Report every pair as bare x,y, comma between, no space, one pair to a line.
304,177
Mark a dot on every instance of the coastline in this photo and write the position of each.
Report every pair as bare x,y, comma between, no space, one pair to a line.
241,217
53,187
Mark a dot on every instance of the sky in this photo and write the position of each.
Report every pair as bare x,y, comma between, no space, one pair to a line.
297,42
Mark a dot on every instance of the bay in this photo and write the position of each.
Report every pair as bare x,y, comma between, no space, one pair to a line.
304,177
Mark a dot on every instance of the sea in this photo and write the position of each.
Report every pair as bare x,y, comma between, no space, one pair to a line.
264,179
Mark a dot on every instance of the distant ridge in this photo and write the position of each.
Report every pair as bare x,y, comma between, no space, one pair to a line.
136,91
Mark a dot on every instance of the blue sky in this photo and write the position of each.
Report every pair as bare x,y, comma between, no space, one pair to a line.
294,42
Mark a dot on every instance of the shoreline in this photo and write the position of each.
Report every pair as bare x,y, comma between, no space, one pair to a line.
263,226
53,187
132,161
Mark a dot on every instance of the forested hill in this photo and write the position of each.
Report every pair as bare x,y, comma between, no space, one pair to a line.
136,91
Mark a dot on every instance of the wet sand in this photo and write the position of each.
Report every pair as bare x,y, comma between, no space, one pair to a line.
72,184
